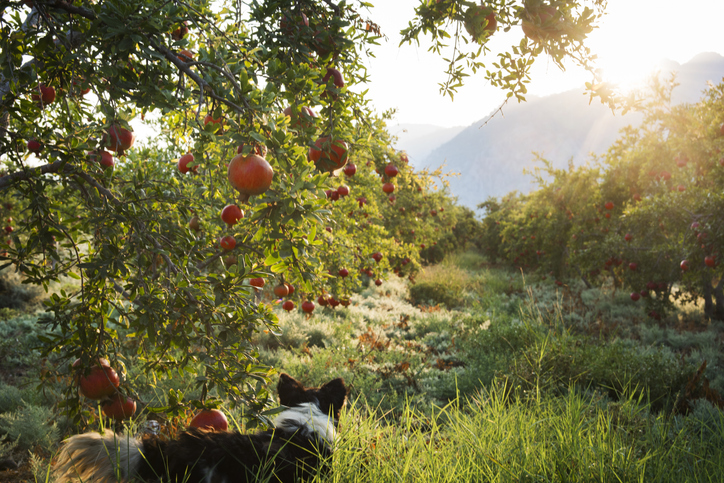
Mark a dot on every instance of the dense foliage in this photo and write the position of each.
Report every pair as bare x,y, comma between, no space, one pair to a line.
165,157
647,216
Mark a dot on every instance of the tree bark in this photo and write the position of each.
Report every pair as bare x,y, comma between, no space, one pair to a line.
719,298
708,304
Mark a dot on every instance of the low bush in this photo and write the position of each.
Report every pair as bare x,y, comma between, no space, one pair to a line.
30,427
10,398
619,367
435,293
16,296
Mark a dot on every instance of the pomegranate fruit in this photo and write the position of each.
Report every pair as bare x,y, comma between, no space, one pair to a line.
343,190
250,175
304,120
328,154
45,95
106,158
100,382
231,214
480,22
212,419
185,56
391,170
350,169
119,138
35,146
184,161
308,307
543,23
180,32
120,407
227,243
195,223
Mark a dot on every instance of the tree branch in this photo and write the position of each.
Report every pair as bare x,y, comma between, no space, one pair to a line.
13,178
63,5
186,69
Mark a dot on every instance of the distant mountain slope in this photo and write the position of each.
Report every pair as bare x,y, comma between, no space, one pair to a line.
420,139
560,127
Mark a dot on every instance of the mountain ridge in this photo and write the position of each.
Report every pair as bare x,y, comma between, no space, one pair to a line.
561,127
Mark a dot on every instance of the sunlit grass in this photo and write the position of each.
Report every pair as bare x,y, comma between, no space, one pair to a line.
575,437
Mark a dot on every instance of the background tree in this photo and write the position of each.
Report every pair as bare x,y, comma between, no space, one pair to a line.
644,217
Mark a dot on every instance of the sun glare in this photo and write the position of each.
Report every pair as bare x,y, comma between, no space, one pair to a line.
628,65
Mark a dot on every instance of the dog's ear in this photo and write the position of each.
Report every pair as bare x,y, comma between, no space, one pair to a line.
290,390
335,392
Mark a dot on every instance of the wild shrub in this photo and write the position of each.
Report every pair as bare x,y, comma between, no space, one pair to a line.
435,293
14,294
703,345
10,398
30,426
18,340
7,446
619,367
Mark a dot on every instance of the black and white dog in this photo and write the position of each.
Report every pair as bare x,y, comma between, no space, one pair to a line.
302,438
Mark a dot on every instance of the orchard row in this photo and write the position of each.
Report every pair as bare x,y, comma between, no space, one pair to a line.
648,216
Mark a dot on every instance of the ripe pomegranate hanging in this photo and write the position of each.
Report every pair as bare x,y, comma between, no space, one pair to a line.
250,175
328,155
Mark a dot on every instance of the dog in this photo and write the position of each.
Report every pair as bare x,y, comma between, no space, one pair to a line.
297,447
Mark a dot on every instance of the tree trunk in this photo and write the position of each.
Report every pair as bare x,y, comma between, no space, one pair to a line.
719,298
708,305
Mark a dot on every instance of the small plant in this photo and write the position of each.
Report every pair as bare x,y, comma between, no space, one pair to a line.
31,427
434,293
10,398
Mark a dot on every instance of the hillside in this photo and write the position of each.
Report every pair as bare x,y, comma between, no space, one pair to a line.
419,140
561,127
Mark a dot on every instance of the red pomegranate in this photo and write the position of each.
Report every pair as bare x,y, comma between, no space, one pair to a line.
250,175
212,419
231,214
119,138
120,407
184,161
304,120
328,154
227,243
100,382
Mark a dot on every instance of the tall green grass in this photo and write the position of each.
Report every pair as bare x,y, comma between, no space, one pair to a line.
491,438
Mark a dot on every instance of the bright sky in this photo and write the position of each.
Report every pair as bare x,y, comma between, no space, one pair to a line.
634,36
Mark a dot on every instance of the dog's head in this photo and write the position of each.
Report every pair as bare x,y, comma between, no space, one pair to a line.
330,397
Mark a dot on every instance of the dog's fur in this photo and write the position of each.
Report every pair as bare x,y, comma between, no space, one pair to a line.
302,438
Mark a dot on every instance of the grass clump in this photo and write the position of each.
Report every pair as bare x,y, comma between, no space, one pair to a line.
490,437
435,293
